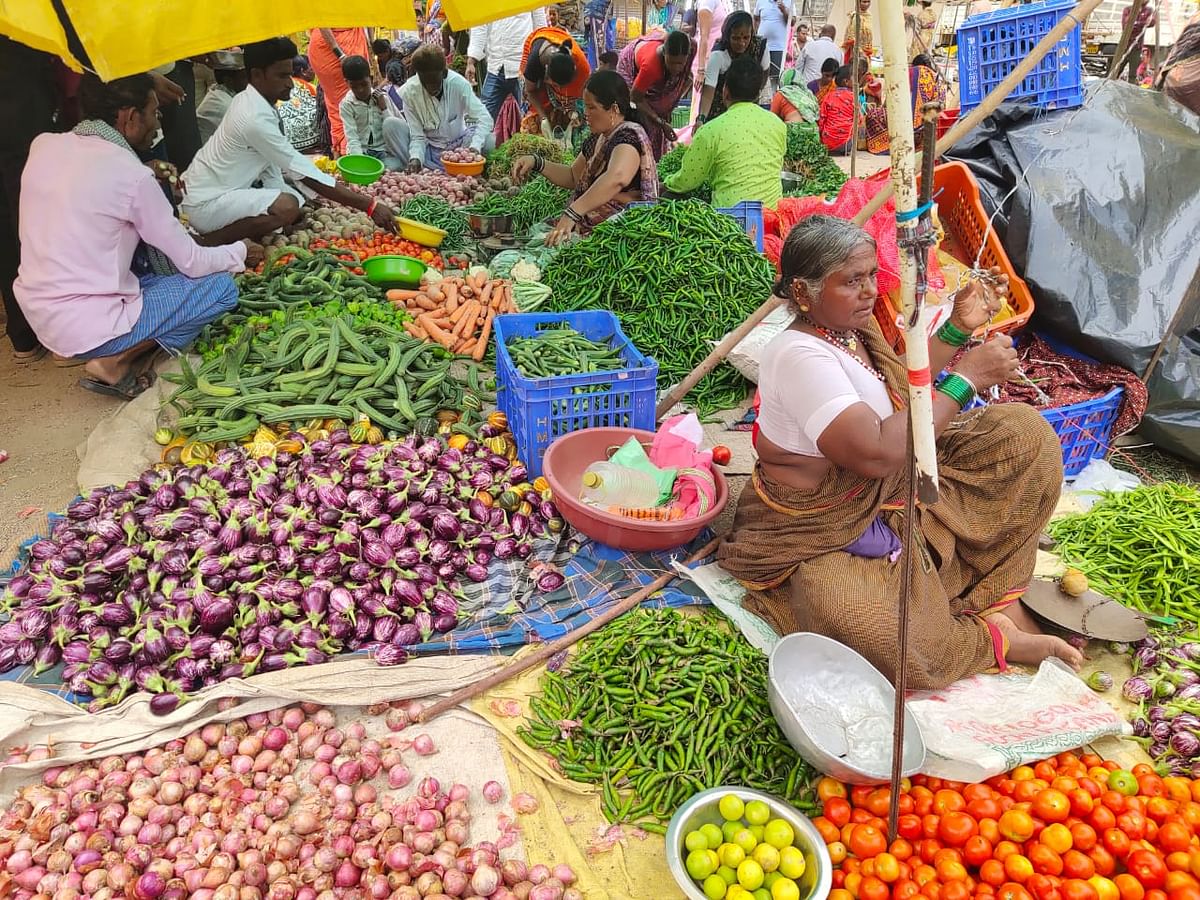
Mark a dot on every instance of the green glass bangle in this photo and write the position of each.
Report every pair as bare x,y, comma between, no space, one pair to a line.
952,335
957,388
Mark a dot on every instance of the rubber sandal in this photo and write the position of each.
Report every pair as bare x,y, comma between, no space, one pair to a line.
127,388
25,357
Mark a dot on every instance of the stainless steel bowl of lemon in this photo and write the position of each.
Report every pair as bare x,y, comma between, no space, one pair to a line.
734,843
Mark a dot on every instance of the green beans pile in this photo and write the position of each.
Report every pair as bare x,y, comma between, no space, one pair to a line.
534,202
672,162
677,274
806,156
1141,547
668,705
562,351
440,214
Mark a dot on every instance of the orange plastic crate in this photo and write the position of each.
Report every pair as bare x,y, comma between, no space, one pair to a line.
964,220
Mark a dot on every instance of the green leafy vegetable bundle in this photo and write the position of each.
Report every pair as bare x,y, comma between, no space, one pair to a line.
500,160
807,157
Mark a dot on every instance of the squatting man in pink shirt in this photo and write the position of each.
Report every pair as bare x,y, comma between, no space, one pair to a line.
107,272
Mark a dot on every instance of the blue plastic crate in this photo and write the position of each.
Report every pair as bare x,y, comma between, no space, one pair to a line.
1084,429
749,214
542,409
991,45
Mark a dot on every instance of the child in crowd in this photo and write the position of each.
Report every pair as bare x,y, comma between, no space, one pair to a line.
362,112
823,86
836,121
608,60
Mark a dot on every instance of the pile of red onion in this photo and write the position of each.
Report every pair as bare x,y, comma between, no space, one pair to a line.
400,187
194,574
227,814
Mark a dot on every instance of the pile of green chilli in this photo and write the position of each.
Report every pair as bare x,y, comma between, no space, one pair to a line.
660,705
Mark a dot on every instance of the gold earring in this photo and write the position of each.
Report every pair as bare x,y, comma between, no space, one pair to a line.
803,307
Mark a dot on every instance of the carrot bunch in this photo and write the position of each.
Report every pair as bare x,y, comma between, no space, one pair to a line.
456,312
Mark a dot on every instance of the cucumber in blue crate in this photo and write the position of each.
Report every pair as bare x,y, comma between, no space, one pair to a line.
563,351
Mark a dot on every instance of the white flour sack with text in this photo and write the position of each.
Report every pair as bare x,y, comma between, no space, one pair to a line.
987,724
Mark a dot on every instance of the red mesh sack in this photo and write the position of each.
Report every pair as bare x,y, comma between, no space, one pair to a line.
854,195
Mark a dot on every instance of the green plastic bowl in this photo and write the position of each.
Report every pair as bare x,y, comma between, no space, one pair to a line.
360,169
394,271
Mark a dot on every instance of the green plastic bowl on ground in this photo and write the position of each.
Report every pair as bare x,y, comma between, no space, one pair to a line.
358,169
394,271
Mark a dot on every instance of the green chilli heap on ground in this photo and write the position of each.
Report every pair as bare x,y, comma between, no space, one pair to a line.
678,275
660,705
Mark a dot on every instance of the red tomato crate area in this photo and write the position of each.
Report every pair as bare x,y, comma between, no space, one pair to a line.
1071,827
542,409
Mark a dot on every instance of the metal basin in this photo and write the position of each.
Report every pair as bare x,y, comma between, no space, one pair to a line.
701,809
486,226
804,659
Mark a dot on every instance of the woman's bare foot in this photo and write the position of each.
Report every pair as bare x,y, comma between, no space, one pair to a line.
1030,649
107,369
1023,618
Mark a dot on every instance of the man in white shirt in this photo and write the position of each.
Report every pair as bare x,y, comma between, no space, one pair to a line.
235,187
230,81
441,113
771,24
501,43
815,53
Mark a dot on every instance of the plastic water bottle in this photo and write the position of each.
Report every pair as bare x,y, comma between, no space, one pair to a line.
606,484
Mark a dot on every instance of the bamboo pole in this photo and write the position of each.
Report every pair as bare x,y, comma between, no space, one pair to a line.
516,667
904,184
998,95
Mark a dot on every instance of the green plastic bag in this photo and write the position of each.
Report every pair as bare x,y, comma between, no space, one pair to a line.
633,455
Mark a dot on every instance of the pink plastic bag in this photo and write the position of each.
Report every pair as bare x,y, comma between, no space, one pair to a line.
675,446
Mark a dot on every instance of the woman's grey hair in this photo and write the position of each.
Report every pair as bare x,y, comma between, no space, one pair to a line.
816,247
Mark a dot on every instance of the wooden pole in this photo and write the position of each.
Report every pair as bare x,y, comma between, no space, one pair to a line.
516,667
714,358
998,95
1118,63
855,56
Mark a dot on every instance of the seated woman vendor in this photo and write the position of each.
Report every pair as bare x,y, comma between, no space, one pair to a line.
741,152
107,272
615,167
236,185
815,536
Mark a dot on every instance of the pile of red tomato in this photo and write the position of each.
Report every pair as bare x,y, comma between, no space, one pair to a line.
384,244
1068,828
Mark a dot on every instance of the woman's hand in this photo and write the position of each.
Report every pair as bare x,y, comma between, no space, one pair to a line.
978,302
561,231
522,168
990,364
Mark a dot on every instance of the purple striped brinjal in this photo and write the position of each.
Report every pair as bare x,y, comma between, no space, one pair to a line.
82,509
116,614
218,616
444,623
118,651
390,655
377,553
46,658
384,628
35,623
406,635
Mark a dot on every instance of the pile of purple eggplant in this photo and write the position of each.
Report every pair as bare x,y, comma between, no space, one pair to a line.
1166,685
194,574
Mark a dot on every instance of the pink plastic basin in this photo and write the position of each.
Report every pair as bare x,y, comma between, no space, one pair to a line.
563,466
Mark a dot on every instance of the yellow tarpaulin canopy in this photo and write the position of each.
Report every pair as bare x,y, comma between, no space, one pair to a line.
465,14
122,39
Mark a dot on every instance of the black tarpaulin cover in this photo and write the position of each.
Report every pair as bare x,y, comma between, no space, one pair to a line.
1104,225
